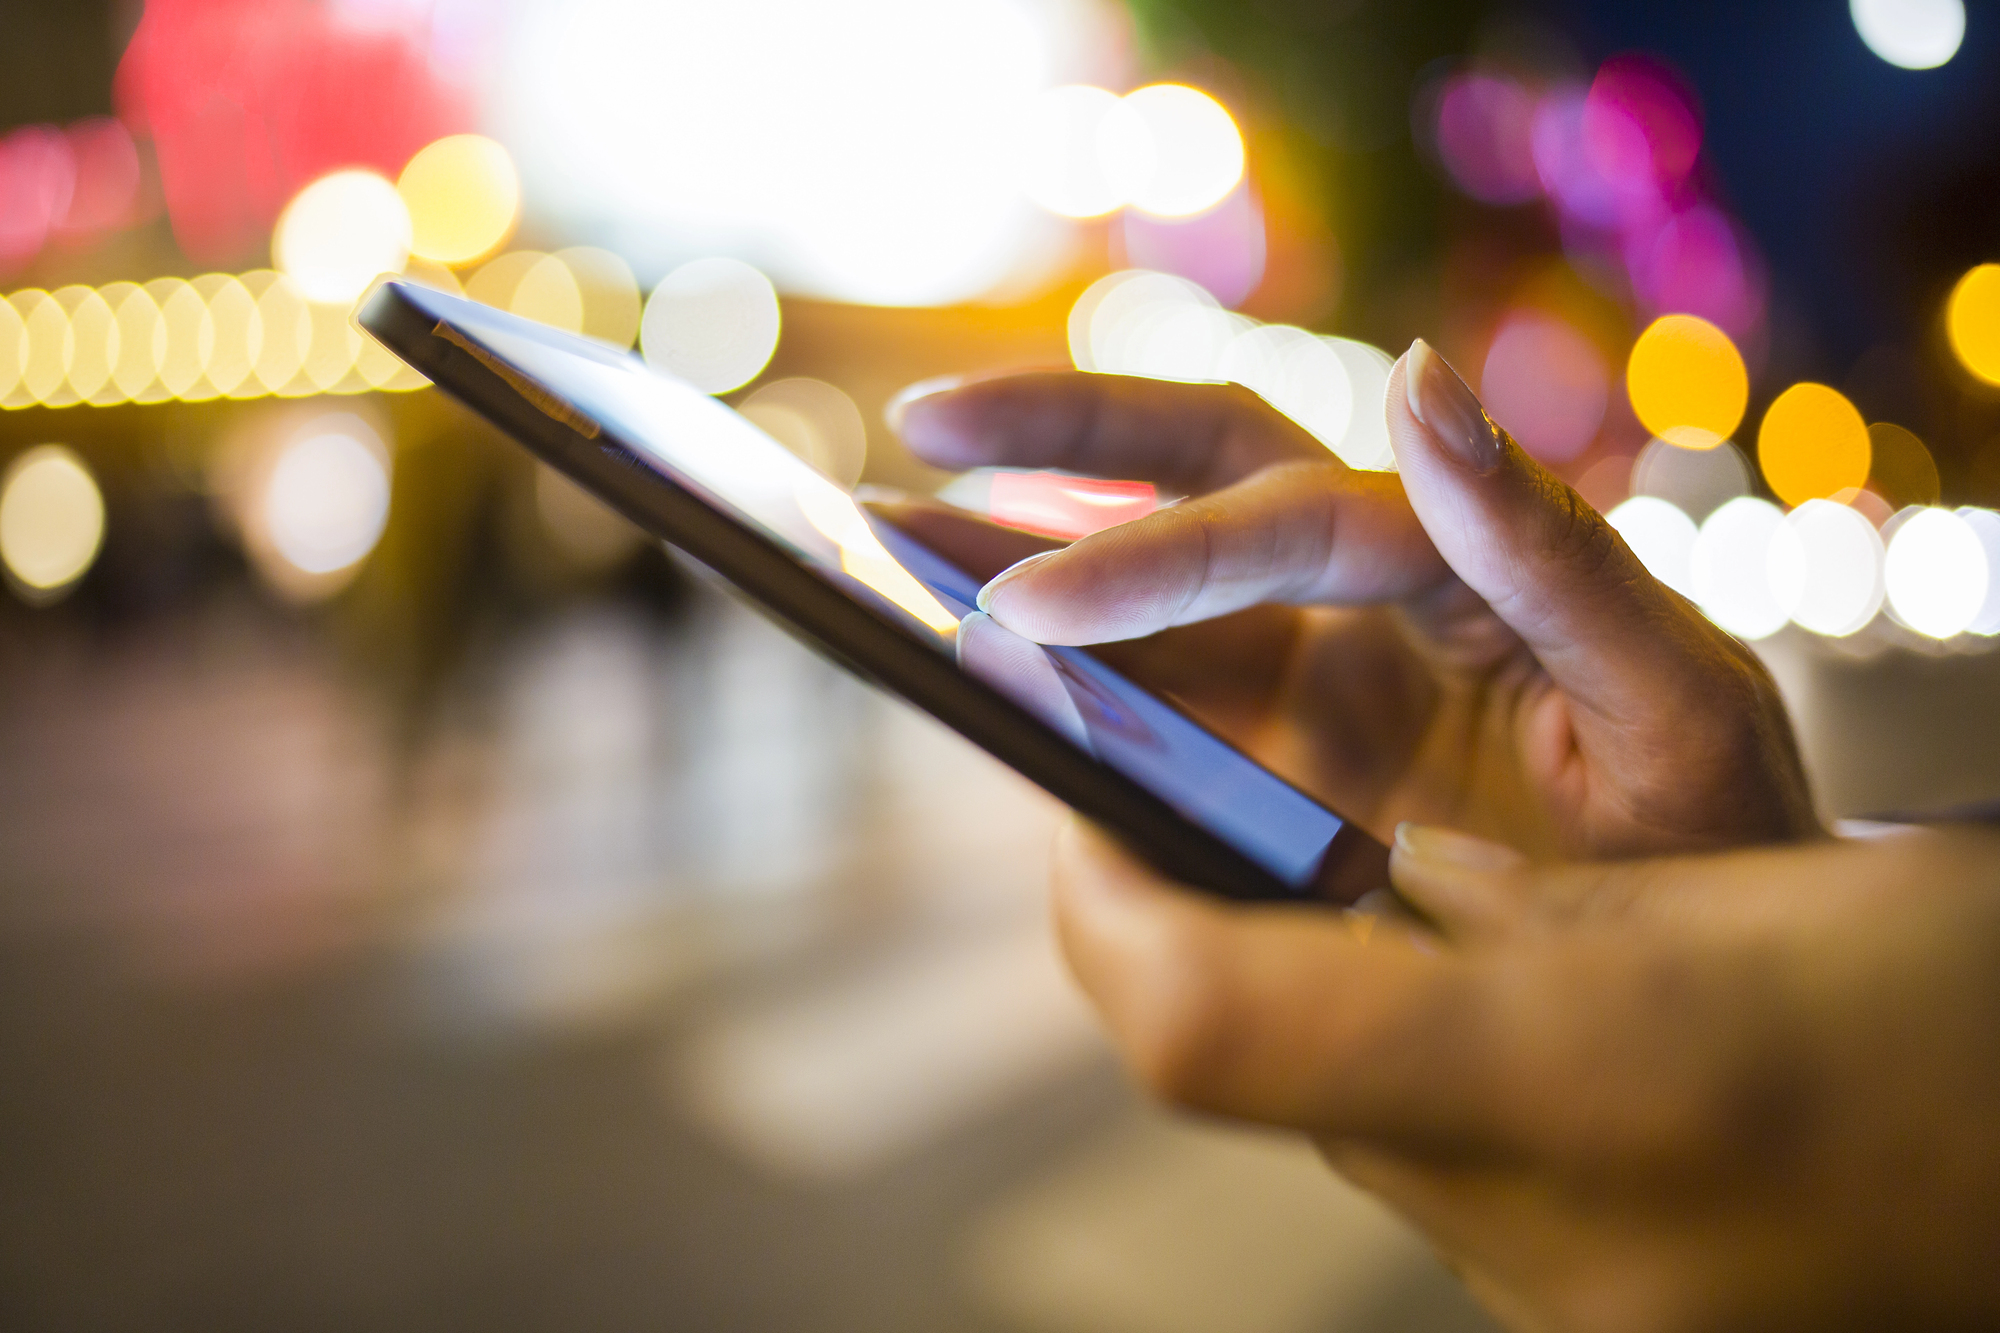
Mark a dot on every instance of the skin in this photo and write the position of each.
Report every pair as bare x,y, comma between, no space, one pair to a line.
1734,1086
1748,1090
1445,646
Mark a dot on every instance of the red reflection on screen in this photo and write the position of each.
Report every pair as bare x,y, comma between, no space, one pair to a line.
1059,506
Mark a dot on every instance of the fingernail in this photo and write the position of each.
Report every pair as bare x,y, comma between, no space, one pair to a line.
1441,400
893,413
994,584
1455,850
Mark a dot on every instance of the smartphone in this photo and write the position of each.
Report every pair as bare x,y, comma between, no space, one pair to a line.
689,470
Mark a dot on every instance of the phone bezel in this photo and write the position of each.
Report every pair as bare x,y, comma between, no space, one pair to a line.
851,633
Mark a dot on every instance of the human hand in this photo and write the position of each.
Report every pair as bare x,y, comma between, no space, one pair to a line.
1754,1090
1468,643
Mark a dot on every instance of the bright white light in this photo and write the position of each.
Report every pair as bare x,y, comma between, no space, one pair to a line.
327,501
1661,536
1062,167
713,323
1937,574
1911,34
340,233
1171,150
51,519
855,151
1366,444
1985,524
1300,375
1842,566
1698,481
1124,313
1736,554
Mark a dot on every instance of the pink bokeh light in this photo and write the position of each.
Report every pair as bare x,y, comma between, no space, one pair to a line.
1546,383
1485,126
1223,249
1699,263
246,101
37,182
1639,122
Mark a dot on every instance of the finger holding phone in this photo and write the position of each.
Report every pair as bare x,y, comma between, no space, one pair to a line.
1466,643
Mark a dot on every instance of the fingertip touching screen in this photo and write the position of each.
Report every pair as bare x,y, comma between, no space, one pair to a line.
722,459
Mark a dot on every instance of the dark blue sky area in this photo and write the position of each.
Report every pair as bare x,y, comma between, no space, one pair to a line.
1868,186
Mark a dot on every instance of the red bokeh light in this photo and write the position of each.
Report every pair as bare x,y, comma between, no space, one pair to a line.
248,100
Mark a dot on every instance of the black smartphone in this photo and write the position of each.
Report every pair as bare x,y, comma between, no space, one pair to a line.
688,469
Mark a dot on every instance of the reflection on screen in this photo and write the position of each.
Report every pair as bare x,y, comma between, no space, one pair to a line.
709,449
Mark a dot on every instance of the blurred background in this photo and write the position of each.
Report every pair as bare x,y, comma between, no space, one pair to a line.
423,905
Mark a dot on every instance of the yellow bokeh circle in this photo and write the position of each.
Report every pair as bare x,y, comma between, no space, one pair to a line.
1813,444
464,197
1687,382
51,519
1972,319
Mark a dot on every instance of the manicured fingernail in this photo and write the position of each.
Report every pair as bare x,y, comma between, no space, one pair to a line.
1455,850
893,413
993,585
1441,400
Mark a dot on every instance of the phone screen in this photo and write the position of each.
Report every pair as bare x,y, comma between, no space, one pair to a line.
720,457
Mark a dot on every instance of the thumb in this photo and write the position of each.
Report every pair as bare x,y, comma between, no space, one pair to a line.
1621,645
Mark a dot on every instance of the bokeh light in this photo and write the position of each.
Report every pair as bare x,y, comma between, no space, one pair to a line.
858,151
1698,262
1737,552
1813,444
1137,322
1546,383
1910,34
1687,382
1171,150
1661,536
1937,573
548,293
612,304
1638,124
142,338
1224,249
237,329
1165,327
1062,164
1841,586
216,335
51,520
1484,128
1695,481
93,342
13,353
1985,525
817,422
1900,469
1366,444
340,233
327,497
1297,373
288,331
1972,320
463,197
45,364
713,323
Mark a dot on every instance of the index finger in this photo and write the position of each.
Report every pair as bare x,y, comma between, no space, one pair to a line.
1192,438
